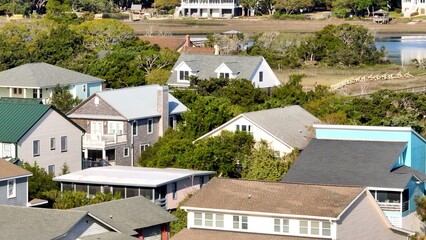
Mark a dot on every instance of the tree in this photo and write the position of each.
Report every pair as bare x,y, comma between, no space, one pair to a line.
291,6
241,92
291,92
62,99
181,215
73,199
263,164
166,4
158,76
39,182
60,11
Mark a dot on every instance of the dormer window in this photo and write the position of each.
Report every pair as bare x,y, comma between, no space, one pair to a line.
224,75
184,75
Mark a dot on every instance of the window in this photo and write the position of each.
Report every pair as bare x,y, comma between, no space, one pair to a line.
303,227
286,226
174,190
281,225
224,75
405,200
36,148
315,228
208,222
11,188
17,91
115,127
198,219
201,181
52,144
144,147
172,122
135,128
184,75
237,127
219,220
260,76
35,93
150,125
64,144
51,169
7,150
126,152
277,225
240,222
326,228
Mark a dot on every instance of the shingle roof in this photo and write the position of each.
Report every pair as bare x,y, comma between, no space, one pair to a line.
130,214
274,197
197,50
108,236
38,75
207,64
17,118
202,234
366,163
36,223
10,170
172,43
135,102
291,124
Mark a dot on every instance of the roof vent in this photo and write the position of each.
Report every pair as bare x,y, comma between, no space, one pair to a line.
96,100
249,196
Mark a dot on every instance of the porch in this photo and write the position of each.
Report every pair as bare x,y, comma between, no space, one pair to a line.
102,141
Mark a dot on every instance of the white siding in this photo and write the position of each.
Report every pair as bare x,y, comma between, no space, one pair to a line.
52,125
363,220
85,227
269,77
4,92
258,135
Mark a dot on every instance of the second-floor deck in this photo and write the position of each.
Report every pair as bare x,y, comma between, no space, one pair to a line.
209,3
101,141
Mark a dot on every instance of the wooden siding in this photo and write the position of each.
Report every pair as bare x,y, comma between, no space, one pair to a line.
364,221
21,198
52,125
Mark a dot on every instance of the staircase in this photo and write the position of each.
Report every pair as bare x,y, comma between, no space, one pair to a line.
410,11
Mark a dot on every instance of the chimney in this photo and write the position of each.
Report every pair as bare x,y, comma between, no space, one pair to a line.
163,108
216,49
187,40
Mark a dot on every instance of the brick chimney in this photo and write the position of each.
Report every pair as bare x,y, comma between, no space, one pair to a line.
187,40
163,108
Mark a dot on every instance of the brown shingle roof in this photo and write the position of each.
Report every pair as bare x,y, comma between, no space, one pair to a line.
9,170
275,197
197,50
172,43
201,234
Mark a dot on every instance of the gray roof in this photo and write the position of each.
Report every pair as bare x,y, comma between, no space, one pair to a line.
40,75
108,236
366,163
130,214
136,102
36,223
205,65
292,124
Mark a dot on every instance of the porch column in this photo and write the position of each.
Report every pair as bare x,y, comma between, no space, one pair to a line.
400,200
10,92
25,93
104,154
38,93
153,195
86,153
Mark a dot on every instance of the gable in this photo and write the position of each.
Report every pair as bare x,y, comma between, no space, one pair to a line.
95,108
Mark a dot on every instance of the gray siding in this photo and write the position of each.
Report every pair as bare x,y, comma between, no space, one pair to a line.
102,108
85,227
364,221
21,198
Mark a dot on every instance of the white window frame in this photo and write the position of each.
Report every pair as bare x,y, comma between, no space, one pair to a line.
11,193
150,124
216,220
185,74
64,143
51,169
241,221
124,152
224,75
320,228
36,148
115,128
52,143
144,146
283,225
7,152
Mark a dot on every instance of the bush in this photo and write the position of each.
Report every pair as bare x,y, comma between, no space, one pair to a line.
118,16
398,10
282,16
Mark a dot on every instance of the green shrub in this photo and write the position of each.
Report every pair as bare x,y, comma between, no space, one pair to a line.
118,16
398,10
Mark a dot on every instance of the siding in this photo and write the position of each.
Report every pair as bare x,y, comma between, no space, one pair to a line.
152,233
364,221
102,108
21,198
52,125
184,188
85,227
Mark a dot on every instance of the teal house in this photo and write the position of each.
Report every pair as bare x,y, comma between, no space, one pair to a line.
389,161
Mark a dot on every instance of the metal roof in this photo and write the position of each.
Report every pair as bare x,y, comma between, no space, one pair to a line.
17,118
130,176
40,75
366,163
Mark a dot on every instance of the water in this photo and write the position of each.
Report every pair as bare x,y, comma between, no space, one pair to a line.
402,49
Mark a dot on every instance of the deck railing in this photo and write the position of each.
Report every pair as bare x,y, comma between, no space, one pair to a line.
162,202
97,140
390,207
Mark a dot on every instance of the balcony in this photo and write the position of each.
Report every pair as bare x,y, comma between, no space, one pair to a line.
390,207
162,202
101,141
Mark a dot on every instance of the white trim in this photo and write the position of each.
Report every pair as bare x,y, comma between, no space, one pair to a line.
386,189
13,195
251,213
15,177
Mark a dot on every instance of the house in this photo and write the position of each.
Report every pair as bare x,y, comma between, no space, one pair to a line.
409,7
285,129
120,124
252,68
390,161
32,132
210,9
37,80
246,209
165,186
180,44
13,184
123,219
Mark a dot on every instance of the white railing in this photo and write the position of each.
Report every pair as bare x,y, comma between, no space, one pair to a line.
97,140
390,207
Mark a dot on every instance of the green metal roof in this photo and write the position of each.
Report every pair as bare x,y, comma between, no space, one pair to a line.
16,118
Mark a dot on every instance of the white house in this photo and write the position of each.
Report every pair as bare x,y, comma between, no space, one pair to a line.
252,68
285,129
210,8
165,186
243,209
411,6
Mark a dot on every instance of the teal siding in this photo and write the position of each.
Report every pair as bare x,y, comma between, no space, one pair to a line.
94,88
418,149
